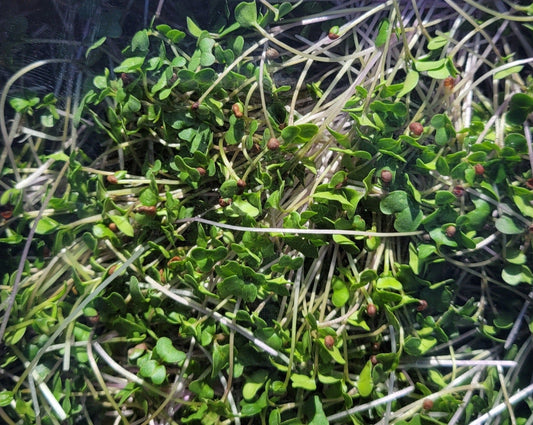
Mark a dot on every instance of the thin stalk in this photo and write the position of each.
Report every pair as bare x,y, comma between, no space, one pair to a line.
75,313
496,410
527,134
231,354
503,15
329,278
124,372
217,316
100,379
226,71
506,401
262,92
367,406
305,231
26,250
3,128
294,324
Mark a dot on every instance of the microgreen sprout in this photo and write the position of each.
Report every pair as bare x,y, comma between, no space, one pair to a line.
294,213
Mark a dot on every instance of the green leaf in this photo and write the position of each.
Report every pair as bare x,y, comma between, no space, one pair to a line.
288,262
415,346
318,415
252,409
153,370
139,301
342,139
246,14
238,45
365,383
329,196
383,33
140,41
166,351
47,120
131,105
436,377
341,294
254,384
444,197
508,226
427,65
476,218
284,8
201,388
228,189
236,131
123,224
46,225
148,197
101,231
236,287
14,337
332,352
220,358
130,64
206,258
95,45
411,81
206,58
388,282
520,106
187,171
514,274
440,237
395,202
368,275
243,208
367,181
246,254
515,256
298,134
447,70
409,219
23,105
504,320
268,335
303,381
437,42
274,418
175,35
6,397
508,71
193,28
517,142
438,69
523,199
159,375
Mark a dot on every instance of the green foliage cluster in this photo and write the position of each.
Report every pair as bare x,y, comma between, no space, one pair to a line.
278,265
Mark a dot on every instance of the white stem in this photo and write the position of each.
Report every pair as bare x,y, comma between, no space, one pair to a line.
519,396
372,404
297,231
217,316
432,362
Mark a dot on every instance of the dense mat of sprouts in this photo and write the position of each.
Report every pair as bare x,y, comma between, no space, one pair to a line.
191,269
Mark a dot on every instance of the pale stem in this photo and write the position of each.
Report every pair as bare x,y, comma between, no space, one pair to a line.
367,406
75,313
304,231
217,316
495,411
